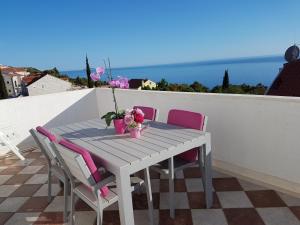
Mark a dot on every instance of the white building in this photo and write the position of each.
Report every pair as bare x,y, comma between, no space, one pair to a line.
13,79
13,83
46,84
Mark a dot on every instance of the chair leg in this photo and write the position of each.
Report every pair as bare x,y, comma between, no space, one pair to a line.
99,216
208,179
171,187
66,194
49,184
149,194
72,208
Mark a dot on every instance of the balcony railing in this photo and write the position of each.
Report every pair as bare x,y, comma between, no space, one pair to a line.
256,137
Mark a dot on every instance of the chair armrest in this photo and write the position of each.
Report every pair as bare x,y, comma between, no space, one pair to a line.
105,181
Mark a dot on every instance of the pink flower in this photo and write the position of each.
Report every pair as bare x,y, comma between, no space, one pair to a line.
100,70
128,119
121,82
139,111
95,76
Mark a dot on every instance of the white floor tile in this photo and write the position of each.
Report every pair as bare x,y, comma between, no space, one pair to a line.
208,217
4,178
38,179
194,185
43,191
278,216
180,200
234,199
25,162
6,190
12,204
57,205
85,217
141,217
289,200
31,169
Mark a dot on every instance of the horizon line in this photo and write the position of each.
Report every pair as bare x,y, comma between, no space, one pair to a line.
207,61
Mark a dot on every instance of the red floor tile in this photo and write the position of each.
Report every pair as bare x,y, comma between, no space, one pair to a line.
19,179
12,170
265,198
26,190
179,185
197,200
227,184
34,204
296,211
4,216
192,172
140,201
243,216
182,217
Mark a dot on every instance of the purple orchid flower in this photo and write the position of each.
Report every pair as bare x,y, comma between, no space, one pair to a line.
95,76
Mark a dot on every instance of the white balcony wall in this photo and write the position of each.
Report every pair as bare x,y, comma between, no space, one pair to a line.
254,135
18,116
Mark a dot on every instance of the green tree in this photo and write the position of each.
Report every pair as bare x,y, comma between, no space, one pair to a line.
3,91
88,73
198,87
162,85
225,84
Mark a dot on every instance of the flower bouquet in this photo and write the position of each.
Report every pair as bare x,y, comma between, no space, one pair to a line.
133,119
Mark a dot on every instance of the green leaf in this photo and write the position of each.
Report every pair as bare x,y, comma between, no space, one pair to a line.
109,117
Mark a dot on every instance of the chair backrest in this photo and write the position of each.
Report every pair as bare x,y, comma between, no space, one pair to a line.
94,175
191,120
150,113
187,119
43,143
46,133
73,164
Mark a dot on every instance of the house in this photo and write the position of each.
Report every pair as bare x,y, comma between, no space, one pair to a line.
13,79
141,83
41,84
287,83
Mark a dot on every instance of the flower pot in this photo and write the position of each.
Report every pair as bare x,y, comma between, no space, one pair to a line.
120,126
135,132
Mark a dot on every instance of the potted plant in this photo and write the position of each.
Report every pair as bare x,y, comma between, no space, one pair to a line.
117,116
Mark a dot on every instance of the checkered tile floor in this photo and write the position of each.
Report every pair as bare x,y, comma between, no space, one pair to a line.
23,199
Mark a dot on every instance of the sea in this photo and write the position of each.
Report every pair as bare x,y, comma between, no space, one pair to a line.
210,73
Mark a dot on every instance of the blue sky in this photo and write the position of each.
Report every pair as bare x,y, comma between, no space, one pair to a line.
59,33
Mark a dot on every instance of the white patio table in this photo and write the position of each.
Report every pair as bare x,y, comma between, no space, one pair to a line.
123,155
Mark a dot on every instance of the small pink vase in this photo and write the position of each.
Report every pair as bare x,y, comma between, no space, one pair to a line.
135,132
120,126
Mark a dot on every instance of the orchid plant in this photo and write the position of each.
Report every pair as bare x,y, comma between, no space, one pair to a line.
120,82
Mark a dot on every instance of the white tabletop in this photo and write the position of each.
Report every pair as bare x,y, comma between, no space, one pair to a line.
158,142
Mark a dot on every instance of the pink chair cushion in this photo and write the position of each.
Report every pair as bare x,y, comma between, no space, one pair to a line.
187,119
46,133
86,155
149,112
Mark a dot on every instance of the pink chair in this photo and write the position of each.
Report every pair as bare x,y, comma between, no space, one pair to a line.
150,113
43,138
95,191
190,158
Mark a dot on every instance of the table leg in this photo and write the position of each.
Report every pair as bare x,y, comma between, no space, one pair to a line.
149,195
171,187
208,176
125,198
